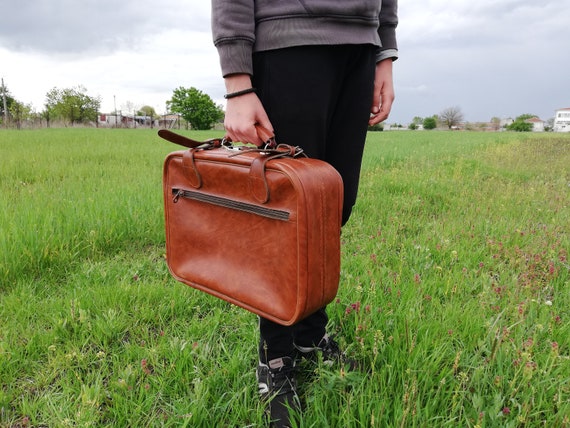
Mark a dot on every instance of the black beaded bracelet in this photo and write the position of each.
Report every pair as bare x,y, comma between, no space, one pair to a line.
238,93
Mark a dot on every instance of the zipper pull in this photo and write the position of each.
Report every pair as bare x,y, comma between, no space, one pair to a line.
177,194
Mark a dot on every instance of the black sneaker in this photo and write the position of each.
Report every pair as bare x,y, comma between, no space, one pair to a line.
278,388
330,352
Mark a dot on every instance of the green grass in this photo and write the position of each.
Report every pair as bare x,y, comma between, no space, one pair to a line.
453,290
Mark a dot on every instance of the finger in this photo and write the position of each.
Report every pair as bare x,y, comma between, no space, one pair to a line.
377,118
241,134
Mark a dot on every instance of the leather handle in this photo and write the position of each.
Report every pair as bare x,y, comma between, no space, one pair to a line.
265,135
257,175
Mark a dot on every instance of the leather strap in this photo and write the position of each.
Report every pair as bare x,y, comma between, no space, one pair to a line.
257,178
263,133
190,170
182,140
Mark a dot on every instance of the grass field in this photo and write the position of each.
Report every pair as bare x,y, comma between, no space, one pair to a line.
454,290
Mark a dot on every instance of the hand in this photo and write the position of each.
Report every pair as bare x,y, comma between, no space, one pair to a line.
383,92
243,112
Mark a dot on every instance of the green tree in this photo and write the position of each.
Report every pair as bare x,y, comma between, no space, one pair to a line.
430,123
20,112
520,126
72,105
524,117
416,123
147,111
196,107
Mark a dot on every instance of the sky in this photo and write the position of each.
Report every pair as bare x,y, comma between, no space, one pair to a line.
490,58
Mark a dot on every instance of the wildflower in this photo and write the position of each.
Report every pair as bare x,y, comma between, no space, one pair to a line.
146,367
527,344
506,411
353,307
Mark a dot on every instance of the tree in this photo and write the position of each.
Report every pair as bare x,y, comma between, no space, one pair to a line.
416,122
430,123
20,112
72,104
147,111
524,117
520,124
196,107
451,116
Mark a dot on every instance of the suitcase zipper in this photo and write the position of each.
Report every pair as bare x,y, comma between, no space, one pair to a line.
228,203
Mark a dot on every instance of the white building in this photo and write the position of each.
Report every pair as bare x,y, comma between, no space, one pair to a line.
505,122
537,124
562,120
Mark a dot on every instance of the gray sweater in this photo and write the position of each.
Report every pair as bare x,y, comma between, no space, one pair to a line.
241,27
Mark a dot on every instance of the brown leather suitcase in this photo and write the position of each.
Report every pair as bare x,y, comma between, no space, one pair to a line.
257,228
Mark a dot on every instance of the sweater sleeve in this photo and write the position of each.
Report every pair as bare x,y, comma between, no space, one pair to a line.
233,30
388,21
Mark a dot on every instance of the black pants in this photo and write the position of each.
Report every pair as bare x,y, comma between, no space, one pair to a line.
318,98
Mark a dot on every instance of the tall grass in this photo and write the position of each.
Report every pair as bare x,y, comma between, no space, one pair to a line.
453,290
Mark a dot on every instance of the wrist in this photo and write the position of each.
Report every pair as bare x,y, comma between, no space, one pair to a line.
237,82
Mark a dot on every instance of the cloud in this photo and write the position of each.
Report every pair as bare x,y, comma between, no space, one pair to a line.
72,27
490,58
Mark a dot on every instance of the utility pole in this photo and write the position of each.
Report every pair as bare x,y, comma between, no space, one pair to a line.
5,104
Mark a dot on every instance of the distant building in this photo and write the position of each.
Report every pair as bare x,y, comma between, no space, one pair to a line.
116,120
537,124
506,122
562,120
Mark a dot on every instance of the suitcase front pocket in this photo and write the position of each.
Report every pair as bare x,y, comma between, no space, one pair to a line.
229,203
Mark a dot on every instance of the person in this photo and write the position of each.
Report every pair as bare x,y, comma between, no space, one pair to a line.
316,73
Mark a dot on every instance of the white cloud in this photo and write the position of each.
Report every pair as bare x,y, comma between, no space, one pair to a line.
490,57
